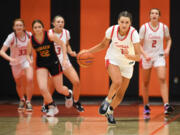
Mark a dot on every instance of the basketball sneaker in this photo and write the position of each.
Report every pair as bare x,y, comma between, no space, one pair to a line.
52,110
69,100
78,106
147,110
21,105
109,116
104,107
44,108
168,109
28,106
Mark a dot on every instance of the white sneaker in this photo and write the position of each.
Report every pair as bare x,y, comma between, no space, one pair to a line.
69,101
51,112
56,111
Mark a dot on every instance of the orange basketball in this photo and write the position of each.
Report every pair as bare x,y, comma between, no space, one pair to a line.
85,59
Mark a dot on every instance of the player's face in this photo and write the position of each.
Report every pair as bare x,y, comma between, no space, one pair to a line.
124,24
59,23
18,26
154,15
37,28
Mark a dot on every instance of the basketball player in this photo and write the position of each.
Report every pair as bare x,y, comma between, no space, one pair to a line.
69,71
120,58
17,42
152,35
47,62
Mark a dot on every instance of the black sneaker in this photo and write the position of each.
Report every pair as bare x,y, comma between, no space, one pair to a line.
104,107
168,109
78,106
110,117
21,106
146,110
44,108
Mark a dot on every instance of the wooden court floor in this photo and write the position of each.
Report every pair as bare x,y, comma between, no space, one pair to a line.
130,121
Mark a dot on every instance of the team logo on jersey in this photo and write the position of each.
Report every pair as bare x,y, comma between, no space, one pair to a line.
153,37
44,50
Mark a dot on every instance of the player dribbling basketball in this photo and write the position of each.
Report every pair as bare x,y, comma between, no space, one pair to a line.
120,58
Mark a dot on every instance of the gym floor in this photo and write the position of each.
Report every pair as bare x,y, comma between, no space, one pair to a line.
129,116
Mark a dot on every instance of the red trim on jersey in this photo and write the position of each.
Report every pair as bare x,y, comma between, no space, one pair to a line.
107,63
132,33
125,36
140,63
152,28
12,42
60,71
39,41
21,39
112,31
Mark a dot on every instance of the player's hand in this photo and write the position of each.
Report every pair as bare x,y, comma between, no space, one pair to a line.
166,52
13,60
147,58
73,54
83,51
125,51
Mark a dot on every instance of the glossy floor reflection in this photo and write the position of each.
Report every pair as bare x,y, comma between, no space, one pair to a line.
130,121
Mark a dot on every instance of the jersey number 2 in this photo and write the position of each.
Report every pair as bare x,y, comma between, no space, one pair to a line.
154,43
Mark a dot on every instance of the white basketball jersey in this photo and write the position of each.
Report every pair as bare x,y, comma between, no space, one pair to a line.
64,36
117,46
18,47
153,40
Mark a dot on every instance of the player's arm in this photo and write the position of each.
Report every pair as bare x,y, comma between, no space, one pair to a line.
168,41
135,57
142,36
4,54
29,51
69,49
101,46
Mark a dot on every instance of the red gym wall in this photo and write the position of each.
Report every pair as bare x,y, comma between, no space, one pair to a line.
31,10
145,6
93,24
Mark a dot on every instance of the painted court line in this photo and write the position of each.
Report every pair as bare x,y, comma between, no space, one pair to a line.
161,127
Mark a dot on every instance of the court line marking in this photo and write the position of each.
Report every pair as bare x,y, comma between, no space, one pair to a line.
161,127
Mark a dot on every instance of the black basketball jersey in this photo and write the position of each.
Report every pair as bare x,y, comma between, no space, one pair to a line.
45,51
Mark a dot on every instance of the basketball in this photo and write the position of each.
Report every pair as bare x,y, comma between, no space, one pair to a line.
85,59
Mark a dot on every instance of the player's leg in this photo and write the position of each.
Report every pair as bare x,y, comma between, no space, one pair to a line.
115,75
146,74
21,92
29,88
72,75
58,84
161,72
117,100
120,93
42,80
18,77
